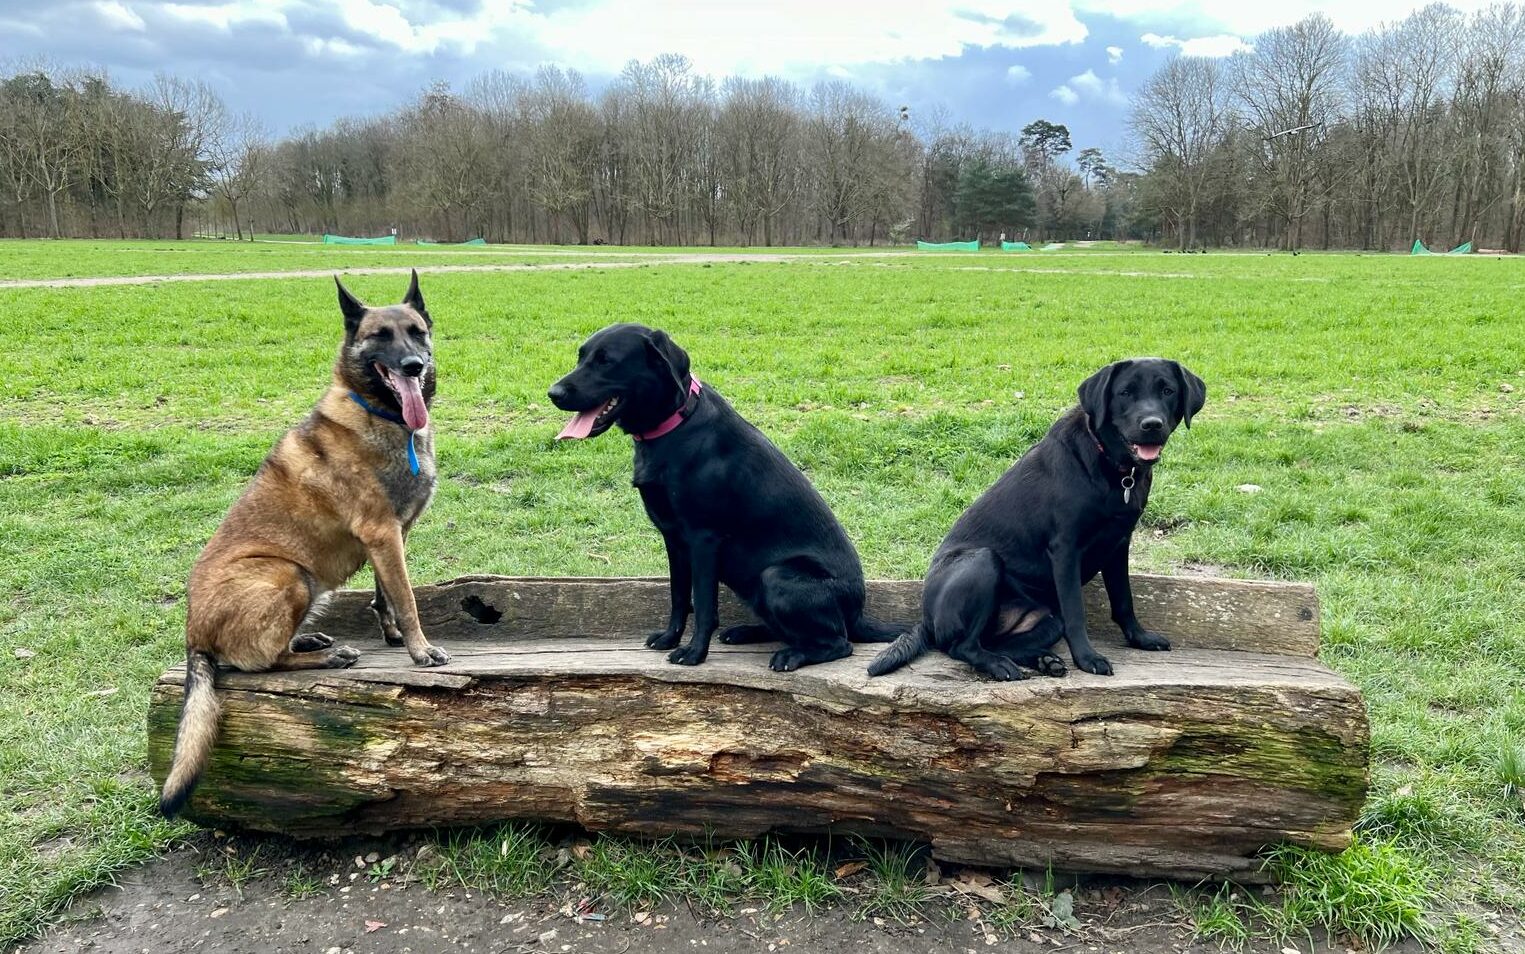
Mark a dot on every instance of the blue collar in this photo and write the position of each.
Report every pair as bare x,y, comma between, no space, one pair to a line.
386,415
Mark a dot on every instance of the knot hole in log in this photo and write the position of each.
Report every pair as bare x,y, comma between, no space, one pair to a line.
484,613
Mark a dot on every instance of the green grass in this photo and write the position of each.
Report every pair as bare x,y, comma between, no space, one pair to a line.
897,887
1376,400
299,884
784,877
511,861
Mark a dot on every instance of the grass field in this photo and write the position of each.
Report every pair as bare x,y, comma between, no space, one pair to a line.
1376,400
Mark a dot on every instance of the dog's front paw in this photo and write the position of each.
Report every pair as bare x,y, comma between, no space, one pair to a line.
689,655
1096,664
1143,639
343,657
666,639
431,656
1049,665
1004,669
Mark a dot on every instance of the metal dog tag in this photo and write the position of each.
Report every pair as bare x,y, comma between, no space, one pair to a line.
1128,483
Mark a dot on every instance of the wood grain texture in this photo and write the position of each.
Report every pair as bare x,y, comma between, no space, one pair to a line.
1184,764
1195,612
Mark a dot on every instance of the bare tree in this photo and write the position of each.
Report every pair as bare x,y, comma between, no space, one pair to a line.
1180,118
238,154
759,129
563,131
1289,85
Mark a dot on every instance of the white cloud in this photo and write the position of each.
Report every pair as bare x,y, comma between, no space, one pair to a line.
1211,46
1248,19
1114,55
773,37
225,16
119,16
1017,73
1065,95
1088,85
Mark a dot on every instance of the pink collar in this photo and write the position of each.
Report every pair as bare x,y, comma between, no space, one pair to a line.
678,416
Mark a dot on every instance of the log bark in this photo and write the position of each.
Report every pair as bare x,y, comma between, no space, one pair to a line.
1184,764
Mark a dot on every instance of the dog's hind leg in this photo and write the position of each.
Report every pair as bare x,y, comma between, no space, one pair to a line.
962,600
801,609
744,633
385,618
260,605
1033,647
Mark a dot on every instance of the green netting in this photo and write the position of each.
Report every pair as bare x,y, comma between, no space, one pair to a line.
947,246
475,241
1016,247
350,240
1419,248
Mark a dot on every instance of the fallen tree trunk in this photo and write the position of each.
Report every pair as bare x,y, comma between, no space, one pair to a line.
1184,764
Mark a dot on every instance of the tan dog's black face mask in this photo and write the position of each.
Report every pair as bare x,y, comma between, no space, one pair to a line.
388,355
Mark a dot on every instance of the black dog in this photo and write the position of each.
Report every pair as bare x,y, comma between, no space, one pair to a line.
731,507
1006,582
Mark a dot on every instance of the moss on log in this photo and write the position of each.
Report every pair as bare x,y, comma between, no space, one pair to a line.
1184,764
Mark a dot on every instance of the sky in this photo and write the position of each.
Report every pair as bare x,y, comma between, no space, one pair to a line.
991,63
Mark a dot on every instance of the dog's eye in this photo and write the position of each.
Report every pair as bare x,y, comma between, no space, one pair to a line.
382,334
417,332
1167,390
602,357
1126,392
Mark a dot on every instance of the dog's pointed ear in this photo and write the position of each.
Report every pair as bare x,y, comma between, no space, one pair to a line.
1191,394
664,353
351,307
1094,391
414,299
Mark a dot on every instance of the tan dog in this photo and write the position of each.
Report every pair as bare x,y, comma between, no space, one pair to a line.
340,488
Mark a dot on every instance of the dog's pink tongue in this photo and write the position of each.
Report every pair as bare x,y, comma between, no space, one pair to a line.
414,413
1148,451
580,426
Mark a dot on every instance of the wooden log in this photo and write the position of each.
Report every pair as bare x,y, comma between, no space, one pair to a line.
1184,764
1197,612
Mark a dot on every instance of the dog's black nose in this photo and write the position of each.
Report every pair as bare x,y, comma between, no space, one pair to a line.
1152,424
557,392
412,365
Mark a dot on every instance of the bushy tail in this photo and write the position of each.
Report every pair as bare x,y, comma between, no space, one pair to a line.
197,733
871,630
901,651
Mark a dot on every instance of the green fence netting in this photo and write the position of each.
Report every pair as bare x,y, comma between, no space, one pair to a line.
350,240
1419,248
475,241
1016,247
947,246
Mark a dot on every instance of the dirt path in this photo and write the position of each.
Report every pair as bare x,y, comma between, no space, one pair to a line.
702,259
173,905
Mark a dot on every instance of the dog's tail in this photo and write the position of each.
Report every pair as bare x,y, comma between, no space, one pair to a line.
198,731
871,630
901,651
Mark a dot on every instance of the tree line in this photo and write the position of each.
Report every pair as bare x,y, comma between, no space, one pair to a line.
664,156
1309,138
1412,130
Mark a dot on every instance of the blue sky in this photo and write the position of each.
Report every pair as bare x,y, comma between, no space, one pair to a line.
991,63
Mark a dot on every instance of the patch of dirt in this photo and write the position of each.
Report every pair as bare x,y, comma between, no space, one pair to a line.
166,907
